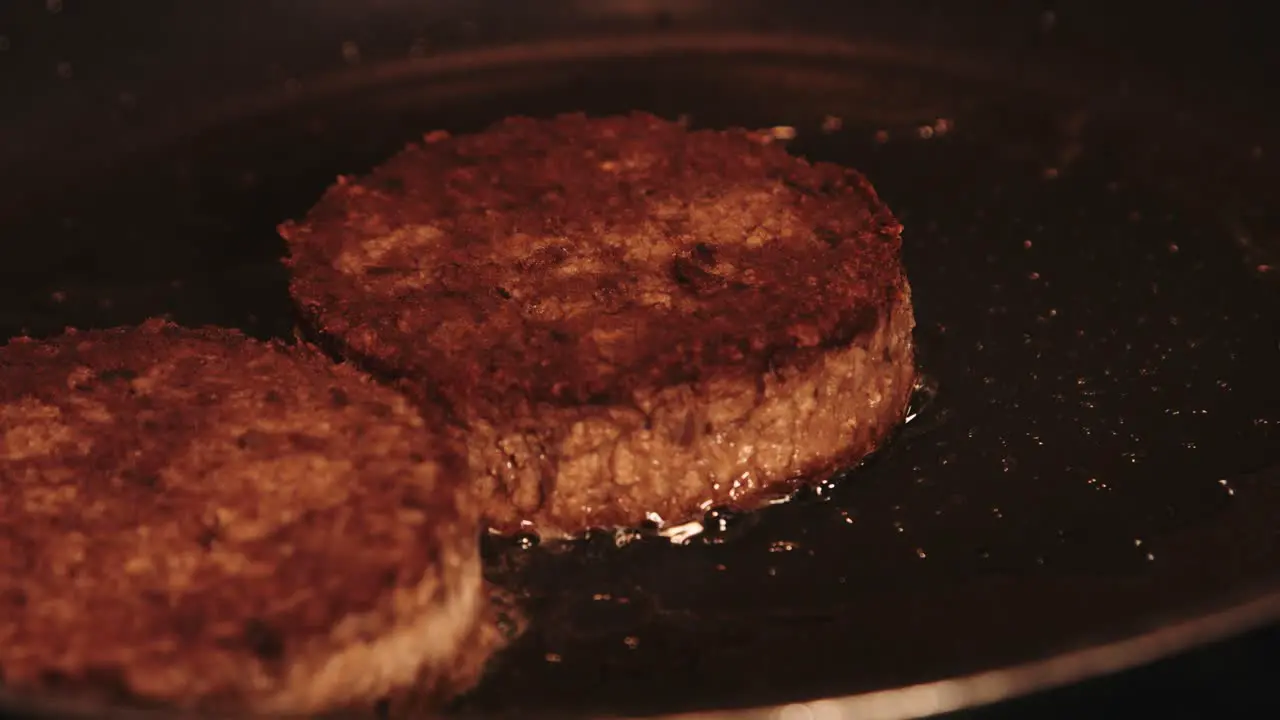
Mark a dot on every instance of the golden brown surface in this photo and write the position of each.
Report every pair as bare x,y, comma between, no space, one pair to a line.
195,517
583,293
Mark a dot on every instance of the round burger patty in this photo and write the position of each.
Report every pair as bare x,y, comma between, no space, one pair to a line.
629,319
194,517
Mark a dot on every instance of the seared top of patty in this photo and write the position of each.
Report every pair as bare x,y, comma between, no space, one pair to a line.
578,260
188,510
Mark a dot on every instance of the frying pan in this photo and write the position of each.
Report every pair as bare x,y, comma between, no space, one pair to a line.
1091,479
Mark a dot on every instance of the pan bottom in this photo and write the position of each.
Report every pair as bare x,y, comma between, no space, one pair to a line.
1099,459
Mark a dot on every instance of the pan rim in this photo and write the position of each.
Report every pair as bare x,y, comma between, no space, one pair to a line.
181,122
1095,82
949,694
988,687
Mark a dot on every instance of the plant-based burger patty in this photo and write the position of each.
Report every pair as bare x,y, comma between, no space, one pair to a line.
196,518
629,320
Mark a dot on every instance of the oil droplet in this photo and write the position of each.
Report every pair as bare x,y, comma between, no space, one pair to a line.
1137,542
623,537
783,546
351,52
684,532
846,516
824,488
923,393
781,497
718,519
722,523
526,541
1227,486
920,553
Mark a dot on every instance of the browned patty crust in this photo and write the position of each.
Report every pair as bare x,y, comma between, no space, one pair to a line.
576,290
199,518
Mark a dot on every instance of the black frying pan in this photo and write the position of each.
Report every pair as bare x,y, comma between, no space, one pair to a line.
1091,480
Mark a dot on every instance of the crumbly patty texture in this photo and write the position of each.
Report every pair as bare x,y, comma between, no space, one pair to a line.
565,286
194,517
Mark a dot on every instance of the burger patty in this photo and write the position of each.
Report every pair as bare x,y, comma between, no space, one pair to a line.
629,320
197,518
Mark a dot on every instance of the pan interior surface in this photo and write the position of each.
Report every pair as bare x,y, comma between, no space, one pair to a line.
1096,310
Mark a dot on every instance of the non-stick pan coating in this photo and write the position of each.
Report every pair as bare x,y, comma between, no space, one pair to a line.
1096,308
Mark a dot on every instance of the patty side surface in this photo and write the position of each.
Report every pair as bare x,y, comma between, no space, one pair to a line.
193,517
589,296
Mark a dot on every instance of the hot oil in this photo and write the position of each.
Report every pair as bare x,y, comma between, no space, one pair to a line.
721,523
1099,355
